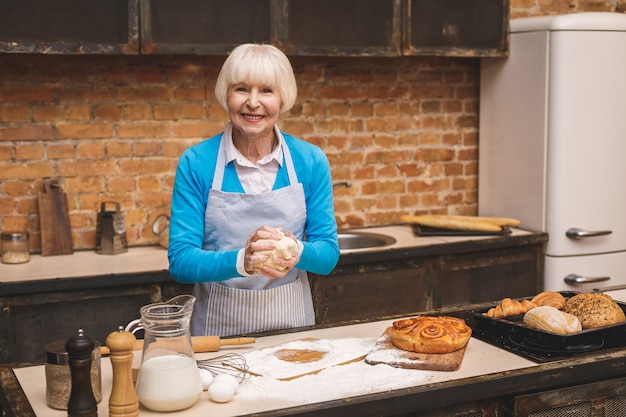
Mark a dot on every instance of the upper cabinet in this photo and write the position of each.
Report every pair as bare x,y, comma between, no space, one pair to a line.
455,27
210,27
338,27
69,26
299,27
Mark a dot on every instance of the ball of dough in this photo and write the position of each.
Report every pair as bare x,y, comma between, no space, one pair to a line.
286,248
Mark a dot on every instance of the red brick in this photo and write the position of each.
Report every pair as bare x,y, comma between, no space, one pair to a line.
15,113
26,132
29,152
84,131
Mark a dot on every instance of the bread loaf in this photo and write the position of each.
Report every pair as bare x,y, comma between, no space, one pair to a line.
286,248
508,308
550,319
549,298
594,309
430,334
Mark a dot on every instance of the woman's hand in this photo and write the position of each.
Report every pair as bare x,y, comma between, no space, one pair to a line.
262,240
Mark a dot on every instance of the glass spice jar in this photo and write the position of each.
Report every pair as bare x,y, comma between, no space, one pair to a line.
59,375
14,247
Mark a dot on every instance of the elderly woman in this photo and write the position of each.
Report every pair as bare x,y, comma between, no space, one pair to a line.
235,195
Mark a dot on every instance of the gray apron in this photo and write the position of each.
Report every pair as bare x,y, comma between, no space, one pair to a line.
244,305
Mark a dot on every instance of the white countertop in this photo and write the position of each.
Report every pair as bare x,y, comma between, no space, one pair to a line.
257,395
85,264
154,258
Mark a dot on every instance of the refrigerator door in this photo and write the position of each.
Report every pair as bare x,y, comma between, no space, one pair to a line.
552,138
585,273
586,171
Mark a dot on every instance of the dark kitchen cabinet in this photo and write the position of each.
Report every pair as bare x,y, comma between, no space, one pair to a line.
69,26
34,314
338,27
368,290
202,27
390,283
299,27
455,28
597,399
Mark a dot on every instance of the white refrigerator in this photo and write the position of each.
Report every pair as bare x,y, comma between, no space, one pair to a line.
552,143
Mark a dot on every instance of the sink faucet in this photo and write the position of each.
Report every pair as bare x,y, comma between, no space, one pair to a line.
346,184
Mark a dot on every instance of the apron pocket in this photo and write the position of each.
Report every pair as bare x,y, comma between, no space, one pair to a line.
233,311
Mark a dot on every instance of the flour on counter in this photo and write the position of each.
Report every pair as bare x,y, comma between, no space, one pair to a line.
334,382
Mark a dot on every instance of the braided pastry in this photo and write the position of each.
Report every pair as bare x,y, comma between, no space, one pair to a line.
430,334
508,308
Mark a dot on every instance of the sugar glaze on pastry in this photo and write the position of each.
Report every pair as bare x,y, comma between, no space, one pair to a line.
430,334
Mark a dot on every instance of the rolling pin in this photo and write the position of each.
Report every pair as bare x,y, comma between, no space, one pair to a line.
199,343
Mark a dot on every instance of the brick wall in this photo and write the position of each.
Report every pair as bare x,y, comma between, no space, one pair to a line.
403,131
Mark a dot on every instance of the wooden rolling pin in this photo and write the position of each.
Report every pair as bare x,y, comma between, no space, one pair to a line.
199,343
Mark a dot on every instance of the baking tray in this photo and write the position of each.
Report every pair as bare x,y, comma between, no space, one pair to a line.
542,345
419,230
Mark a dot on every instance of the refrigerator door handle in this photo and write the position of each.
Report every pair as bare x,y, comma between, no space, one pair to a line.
576,233
575,279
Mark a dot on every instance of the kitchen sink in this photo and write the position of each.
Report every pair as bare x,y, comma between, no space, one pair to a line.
351,241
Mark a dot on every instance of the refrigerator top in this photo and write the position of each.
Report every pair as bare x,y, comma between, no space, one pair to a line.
599,21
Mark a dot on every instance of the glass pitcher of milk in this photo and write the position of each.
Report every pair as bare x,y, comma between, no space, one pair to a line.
168,377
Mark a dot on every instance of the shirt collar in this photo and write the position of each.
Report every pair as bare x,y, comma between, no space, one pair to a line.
233,154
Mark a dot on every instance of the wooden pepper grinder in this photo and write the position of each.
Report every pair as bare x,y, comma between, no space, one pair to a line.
123,401
82,402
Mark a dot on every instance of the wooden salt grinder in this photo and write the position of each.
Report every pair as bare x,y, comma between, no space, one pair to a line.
82,402
123,401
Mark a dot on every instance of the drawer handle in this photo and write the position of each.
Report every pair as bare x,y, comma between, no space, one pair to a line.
576,233
575,279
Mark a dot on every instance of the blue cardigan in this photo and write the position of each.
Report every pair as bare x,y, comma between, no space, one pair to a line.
189,263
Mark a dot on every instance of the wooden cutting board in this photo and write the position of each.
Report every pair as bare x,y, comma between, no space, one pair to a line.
384,352
56,233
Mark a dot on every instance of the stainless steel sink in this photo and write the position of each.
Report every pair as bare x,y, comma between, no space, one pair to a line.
352,241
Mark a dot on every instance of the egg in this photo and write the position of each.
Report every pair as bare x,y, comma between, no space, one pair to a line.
229,379
221,391
206,377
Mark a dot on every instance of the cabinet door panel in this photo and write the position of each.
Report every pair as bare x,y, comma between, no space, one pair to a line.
191,26
365,291
69,26
338,27
456,27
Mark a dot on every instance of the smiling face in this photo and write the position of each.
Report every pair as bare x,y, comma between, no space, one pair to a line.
253,110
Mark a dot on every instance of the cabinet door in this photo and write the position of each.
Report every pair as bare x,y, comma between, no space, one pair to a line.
29,322
367,291
69,26
202,27
598,399
456,27
478,277
338,27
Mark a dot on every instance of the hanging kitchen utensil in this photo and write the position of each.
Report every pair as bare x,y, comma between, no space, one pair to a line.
54,218
111,230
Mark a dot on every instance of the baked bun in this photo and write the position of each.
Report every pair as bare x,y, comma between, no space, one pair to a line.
594,310
508,308
549,298
286,248
430,334
550,319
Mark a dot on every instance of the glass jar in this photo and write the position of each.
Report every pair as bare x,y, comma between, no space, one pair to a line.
59,375
15,248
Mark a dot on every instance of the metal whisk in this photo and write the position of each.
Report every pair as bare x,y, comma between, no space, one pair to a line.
231,363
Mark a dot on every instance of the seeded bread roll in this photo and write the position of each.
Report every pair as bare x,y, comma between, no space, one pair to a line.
430,334
594,309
